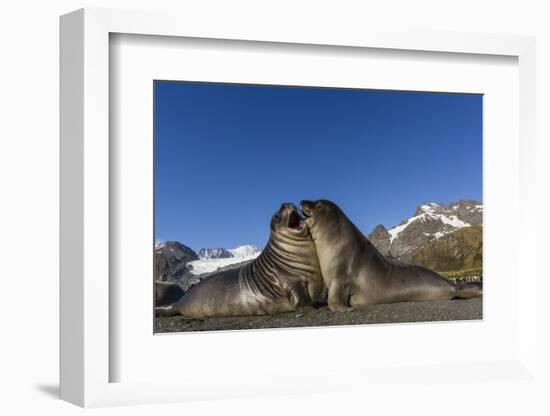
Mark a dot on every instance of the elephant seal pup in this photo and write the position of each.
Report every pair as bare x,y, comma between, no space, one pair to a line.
356,273
167,293
283,278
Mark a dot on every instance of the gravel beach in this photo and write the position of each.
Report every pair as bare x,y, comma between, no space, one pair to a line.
443,310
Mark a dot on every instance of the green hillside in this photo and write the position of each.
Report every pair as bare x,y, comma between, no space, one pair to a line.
461,250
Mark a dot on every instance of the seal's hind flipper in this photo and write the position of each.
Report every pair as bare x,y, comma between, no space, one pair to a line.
468,290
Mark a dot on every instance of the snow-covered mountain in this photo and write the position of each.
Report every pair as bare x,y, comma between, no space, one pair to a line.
214,259
214,253
222,253
245,251
431,221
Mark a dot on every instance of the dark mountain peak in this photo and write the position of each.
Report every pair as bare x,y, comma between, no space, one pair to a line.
380,237
176,249
380,231
465,202
171,258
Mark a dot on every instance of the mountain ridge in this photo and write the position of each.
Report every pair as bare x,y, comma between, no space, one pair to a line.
430,221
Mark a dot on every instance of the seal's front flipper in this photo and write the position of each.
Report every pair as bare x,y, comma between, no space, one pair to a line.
338,297
169,310
340,308
305,308
299,296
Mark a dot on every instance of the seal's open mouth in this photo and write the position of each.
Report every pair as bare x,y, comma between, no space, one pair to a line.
295,221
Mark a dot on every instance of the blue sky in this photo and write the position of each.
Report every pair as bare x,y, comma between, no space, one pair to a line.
227,156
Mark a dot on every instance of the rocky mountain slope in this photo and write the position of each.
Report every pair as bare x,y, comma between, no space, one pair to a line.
459,250
171,259
430,222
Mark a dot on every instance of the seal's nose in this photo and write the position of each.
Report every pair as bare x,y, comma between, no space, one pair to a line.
305,207
306,204
287,205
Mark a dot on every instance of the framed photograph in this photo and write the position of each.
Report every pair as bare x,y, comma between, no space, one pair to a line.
229,157
293,196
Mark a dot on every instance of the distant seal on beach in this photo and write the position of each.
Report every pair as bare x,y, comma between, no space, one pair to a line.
167,293
284,277
356,273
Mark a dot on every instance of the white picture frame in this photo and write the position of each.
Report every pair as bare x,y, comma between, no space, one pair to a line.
86,301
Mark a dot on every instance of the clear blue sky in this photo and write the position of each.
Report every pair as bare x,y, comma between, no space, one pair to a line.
227,155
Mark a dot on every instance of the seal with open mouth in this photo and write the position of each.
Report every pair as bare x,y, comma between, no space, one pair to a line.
284,277
356,273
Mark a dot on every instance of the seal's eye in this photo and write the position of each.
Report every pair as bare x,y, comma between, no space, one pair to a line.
276,217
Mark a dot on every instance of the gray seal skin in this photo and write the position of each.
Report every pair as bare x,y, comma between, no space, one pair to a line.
356,273
167,293
284,277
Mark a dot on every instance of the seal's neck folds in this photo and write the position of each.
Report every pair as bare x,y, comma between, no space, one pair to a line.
283,255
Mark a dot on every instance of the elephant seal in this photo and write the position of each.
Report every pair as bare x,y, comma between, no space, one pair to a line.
356,273
284,277
167,293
